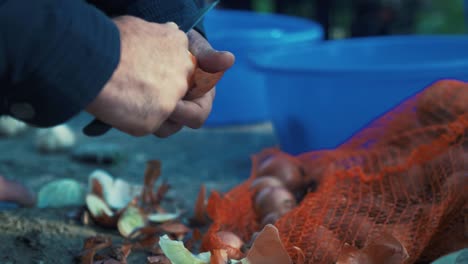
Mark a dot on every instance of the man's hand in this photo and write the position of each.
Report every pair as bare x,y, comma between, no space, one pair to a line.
150,80
193,113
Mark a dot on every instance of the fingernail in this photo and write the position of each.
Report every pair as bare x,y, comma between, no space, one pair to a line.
221,52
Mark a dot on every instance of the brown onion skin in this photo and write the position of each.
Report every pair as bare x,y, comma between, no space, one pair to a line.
274,199
233,242
105,220
285,168
270,218
265,182
218,256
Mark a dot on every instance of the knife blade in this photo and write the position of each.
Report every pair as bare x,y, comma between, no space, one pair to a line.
197,18
97,127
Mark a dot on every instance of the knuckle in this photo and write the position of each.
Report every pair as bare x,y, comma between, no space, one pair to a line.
166,110
182,87
182,37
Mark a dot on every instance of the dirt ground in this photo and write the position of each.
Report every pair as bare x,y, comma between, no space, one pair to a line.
216,157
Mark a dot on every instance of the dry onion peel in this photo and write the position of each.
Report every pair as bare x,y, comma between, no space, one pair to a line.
131,220
97,207
267,239
176,252
163,217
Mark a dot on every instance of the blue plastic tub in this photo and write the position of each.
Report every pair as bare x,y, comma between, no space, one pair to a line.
240,95
320,95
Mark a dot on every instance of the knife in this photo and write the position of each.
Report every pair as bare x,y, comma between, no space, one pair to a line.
97,127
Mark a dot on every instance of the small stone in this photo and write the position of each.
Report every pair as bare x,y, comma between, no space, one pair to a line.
98,153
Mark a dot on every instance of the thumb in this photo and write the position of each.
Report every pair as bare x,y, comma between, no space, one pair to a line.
213,61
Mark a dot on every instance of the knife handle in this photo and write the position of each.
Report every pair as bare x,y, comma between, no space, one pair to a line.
96,128
200,82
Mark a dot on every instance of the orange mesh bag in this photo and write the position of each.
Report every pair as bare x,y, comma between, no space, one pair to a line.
401,184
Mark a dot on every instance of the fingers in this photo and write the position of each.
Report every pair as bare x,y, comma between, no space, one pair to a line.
194,113
209,59
150,80
181,35
198,44
168,128
214,61
172,25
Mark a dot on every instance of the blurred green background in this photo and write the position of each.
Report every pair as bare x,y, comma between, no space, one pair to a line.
347,18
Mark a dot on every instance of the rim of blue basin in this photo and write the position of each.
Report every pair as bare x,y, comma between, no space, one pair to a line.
248,28
395,55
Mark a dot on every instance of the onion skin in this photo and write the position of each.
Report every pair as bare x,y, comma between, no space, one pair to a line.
265,182
270,218
274,199
219,256
285,168
385,249
232,244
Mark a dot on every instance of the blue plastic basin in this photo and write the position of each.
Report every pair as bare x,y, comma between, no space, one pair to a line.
322,94
240,95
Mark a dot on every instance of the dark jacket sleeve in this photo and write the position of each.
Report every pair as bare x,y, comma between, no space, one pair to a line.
159,11
162,11
55,57
112,7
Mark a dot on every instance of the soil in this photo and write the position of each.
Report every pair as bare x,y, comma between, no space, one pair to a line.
219,158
